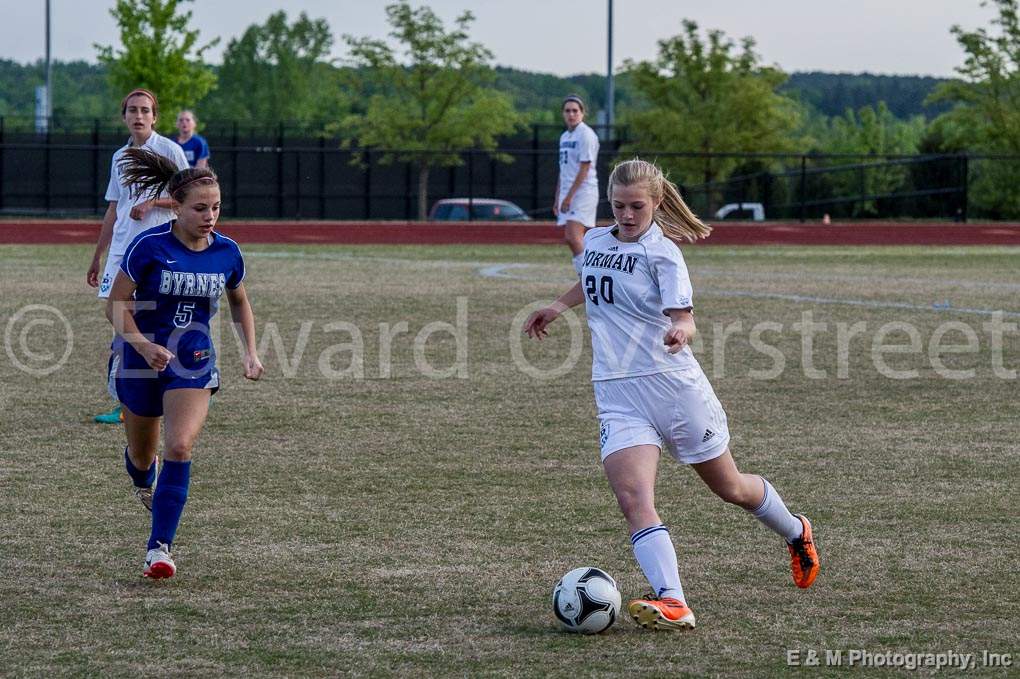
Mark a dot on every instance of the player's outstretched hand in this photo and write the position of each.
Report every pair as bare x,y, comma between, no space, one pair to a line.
675,339
156,356
253,369
535,326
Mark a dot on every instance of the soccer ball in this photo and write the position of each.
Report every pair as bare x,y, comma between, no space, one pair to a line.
586,600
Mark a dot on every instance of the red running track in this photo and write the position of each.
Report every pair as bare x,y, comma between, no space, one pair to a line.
433,233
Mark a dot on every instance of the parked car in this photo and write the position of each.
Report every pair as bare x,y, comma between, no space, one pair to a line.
754,212
482,209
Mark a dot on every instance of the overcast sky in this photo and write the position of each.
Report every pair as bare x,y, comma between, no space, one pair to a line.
569,36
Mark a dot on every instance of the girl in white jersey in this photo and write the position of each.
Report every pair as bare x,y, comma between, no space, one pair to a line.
128,215
576,199
650,390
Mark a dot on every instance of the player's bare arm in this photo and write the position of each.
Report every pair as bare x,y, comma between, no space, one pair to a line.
681,332
244,320
139,211
535,326
105,236
120,312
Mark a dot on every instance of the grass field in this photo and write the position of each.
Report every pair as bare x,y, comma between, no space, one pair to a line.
415,525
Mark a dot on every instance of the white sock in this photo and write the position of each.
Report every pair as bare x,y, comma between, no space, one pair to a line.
654,551
773,513
578,263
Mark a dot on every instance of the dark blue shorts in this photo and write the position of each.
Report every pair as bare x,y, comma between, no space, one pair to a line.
140,388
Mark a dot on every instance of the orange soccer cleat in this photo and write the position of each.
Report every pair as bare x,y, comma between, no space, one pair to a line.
803,556
666,614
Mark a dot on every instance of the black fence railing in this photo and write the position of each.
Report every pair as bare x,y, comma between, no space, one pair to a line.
287,177
842,186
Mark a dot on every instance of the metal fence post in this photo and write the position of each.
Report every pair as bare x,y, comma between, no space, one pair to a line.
95,165
279,171
471,185
965,176
234,171
47,201
862,188
297,184
368,184
407,191
492,176
534,168
322,177
3,185
803,185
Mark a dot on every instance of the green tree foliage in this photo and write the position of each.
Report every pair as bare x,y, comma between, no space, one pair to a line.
833,93
708,97
872,133
432,101
158,52
986,108
79,91
277,72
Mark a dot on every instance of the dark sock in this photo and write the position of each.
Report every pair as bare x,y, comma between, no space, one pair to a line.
143,478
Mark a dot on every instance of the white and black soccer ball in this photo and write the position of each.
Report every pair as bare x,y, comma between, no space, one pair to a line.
586,600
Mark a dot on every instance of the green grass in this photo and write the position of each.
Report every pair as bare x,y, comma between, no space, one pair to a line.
415,526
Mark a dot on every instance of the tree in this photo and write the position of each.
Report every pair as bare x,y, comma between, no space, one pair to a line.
432,103
708,98
278,72
872,131
157,51
986,112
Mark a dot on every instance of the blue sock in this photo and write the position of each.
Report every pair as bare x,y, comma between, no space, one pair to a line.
143,478
168,501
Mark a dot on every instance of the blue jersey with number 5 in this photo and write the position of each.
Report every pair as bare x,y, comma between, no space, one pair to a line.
178,290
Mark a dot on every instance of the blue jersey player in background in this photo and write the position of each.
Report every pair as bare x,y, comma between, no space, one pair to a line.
196,148
161,305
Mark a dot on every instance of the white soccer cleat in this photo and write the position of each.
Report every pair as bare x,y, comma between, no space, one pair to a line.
158,563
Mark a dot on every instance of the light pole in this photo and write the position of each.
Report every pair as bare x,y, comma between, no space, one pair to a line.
610,91
49,70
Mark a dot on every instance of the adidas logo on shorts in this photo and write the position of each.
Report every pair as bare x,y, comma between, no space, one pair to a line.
708,434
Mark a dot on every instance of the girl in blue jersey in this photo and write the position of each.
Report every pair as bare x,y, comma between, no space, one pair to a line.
649,388
161,304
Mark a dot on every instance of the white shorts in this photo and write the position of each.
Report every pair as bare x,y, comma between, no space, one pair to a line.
583,208
677,411
109,274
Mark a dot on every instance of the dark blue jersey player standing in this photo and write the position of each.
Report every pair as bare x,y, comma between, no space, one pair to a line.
161,305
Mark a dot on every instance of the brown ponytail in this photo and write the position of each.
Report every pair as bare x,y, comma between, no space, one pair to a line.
676,220
150,174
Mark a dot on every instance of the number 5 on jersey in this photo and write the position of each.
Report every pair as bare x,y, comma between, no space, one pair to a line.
185,310
601,287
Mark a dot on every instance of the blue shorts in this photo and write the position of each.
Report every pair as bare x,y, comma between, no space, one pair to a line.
140,388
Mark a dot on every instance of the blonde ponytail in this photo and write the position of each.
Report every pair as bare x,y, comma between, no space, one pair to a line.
676,220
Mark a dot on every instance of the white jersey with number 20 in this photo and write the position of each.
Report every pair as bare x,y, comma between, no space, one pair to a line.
628,289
